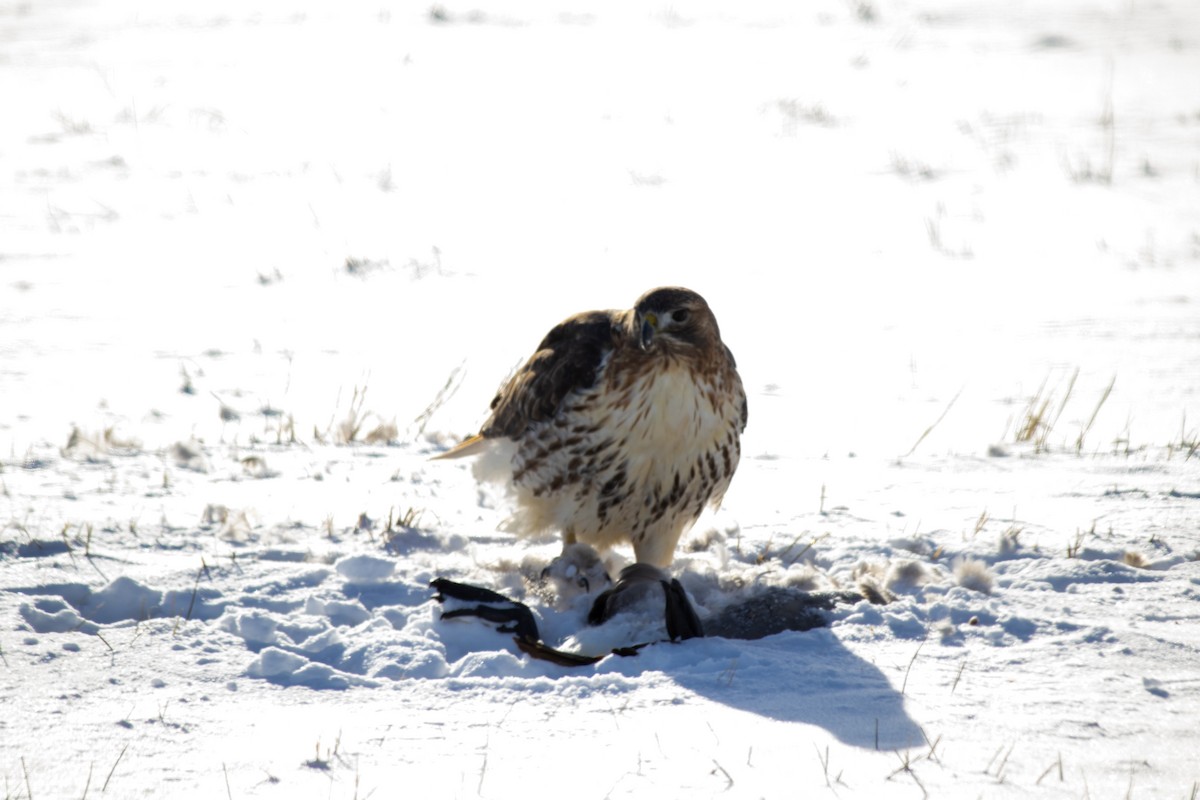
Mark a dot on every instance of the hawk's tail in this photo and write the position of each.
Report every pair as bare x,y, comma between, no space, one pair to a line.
467,447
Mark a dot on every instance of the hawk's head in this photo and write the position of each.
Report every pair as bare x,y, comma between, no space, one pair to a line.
675,320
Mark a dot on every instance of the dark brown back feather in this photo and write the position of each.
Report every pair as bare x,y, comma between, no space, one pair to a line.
568,359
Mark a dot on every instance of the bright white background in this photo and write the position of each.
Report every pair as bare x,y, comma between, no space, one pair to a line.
896,209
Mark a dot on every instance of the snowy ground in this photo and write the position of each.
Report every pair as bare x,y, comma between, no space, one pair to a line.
258,262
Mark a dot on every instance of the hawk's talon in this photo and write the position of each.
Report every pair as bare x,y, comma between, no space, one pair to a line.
573,573
631,587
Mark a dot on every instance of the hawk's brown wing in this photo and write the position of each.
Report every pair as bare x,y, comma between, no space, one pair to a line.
568,359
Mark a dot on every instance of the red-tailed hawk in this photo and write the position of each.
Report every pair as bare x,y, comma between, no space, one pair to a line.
622,426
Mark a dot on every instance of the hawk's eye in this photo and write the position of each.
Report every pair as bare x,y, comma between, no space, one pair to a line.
681,315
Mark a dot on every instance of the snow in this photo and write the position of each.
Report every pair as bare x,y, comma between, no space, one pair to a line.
258,263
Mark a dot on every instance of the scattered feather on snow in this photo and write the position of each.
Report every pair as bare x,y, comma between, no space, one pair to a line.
973,574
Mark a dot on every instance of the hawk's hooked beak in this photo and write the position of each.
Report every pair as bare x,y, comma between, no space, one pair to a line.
649,326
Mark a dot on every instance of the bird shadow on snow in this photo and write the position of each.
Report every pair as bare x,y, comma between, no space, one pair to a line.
809,677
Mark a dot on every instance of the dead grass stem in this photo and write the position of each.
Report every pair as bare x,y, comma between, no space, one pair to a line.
453,382
936,422
1095,412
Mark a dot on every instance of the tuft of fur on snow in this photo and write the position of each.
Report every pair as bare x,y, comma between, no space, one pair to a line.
1010,541
875,593
946,631
973,574
802,578
906,575
701,541
868,579
914,544
1136,560
880,583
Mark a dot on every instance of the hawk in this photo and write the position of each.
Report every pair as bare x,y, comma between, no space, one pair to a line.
621,427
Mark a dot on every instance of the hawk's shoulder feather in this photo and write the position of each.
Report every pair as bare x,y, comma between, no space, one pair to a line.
568,359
